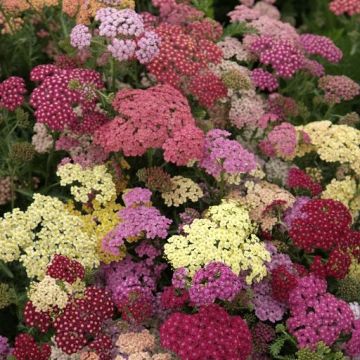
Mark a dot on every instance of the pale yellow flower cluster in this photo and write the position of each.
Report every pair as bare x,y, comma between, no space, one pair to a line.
44,229
85,181
333,143
182,190
258,200
98,222
7,295
226,234
46,294
347,191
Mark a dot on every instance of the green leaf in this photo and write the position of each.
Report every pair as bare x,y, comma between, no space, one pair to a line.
5,270
238,29
276,346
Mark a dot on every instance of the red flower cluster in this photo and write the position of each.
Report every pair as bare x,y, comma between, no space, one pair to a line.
27,349
298,179
136,307
174,299
67,98
65,269
139,127
81,321
37,319
337,265
205,29
181,58
324,224
12,92
209,334
282,282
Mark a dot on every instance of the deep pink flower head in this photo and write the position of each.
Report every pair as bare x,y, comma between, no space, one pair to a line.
139,127
317,315
352,347
351,7
282,55
264,80
12,92
173,298
209,334
281,141
314,68
215,281
222,155
322,46
298,179
65,269
66,98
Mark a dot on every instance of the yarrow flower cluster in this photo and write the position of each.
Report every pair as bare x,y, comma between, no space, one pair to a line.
139,127
317,315
225,235
338,88
12,92
66,98
210,333
214,281
298,179
223,156
137,220
87,183
351,7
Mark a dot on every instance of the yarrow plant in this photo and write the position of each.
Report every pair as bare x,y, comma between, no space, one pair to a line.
175,187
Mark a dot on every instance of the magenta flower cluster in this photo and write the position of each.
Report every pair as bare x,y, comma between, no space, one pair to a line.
65,98
12,92
317,315
215,281
264,80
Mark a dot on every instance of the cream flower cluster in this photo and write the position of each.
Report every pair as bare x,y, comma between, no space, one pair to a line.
182,190
226,235
96,181
333,143
44,229
346,191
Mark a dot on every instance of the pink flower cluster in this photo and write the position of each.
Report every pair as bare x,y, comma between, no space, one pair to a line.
80,37
338,88
223,155
317,315
12,92
126,30
351,7
215,281
209,334
177,14
322,46
264,80
282,55
298,179
352,347
281,141
137,220
139,127
66,98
